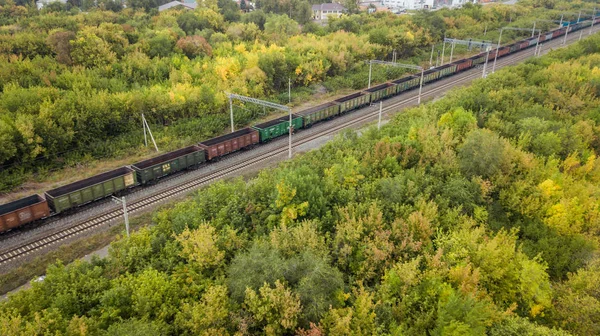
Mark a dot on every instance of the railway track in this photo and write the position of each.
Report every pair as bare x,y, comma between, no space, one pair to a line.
159,197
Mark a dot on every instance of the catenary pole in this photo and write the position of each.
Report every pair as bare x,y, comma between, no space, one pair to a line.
443,51
125,215
291,128
231,114
420,86
537,44
593,20
380,110
567,33
487,56
431,57
497,49
370,68
451,52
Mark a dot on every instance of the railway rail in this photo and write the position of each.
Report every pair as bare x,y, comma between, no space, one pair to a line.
406,99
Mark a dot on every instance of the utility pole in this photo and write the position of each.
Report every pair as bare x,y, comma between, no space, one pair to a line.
443,50
370,69
451,52
580,34
146,126
380,110
593,20
497,50
485,31
561,20
125,215
537,44
289,90
291,129
533,30
487,55
431,57
420,87
567,32
231,114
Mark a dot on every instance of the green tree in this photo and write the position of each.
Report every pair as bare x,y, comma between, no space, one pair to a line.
275,310
483,154
91,51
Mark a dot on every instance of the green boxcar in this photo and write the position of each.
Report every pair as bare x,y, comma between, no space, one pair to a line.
318,113
168,163
382,91
407,83
353,101
90,189
277,127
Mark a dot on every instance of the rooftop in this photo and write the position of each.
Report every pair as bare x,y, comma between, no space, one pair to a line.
188,5
328,7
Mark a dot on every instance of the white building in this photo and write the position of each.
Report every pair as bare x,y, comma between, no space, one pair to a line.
325,10
409,4
42,3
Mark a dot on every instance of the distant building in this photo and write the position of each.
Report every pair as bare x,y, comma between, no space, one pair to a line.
409,4
373,6
325,10
174,4
41,3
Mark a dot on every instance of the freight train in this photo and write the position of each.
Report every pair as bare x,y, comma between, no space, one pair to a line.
71,196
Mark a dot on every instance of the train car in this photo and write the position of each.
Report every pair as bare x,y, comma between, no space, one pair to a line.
523,44
277,127
96,187
168,163
430,75
548,36
514,47
407,83
558,32
463,64
225,144
353,101
23,211
318,113
532,41
503,51
447,70
382,91
478,59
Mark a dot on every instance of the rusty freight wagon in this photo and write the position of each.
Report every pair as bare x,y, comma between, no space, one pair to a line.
22,211
225,144
88,190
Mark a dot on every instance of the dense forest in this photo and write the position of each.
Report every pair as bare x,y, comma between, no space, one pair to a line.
476,214
75,78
